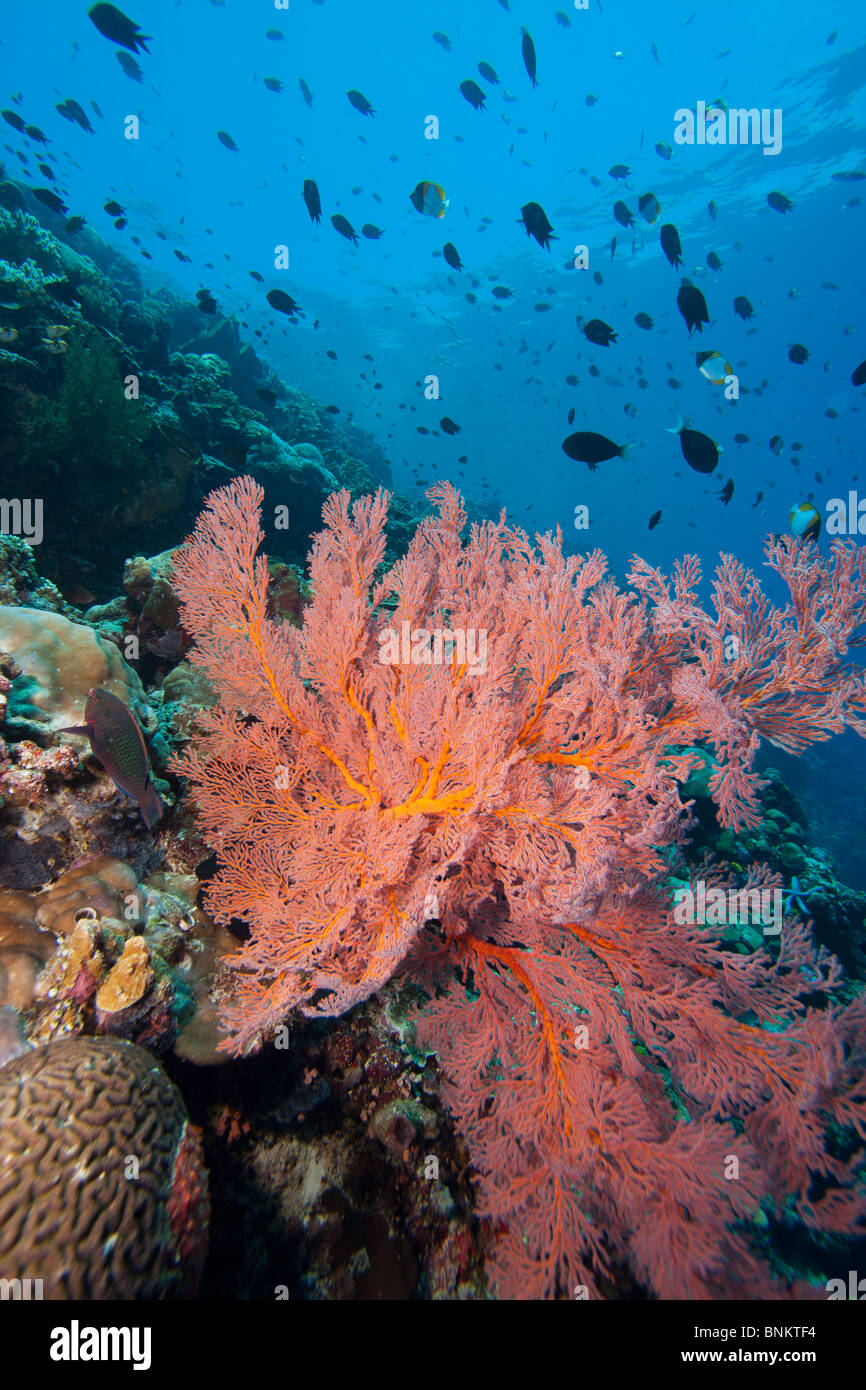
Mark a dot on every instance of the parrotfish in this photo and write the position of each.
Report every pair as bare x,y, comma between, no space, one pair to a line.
118,743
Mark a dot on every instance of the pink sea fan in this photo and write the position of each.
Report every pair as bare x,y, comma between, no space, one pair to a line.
381,796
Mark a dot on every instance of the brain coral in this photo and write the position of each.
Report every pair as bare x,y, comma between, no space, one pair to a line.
60,661
73,1117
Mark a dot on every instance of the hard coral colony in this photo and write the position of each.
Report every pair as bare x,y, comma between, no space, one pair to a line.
634,1095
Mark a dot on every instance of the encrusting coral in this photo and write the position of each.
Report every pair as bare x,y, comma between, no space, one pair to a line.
60,660
384,789
24,950
100,951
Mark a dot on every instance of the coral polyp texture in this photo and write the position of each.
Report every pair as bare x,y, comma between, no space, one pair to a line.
468,768
60,661
103,1192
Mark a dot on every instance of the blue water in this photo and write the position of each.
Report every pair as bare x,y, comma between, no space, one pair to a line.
502,364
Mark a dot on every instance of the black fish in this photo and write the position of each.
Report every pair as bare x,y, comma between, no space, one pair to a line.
473,94
527,48
114,25
371,231
643,320
488,73
502,292
207,303
692,306
699,451
726,492
571,414
655,519
758,499
777,444
670,240
443,41
254,275
342,225
182,257
592,449
713,261
50,199
449,426
305,92
74,225
741,439
622,215
449,251
743,308
858,376
14,120
129,65
113,209
265,394
779,202
619,171
312,200
360,103
282,302
798,354
71,111
47,172
273,84
79,115
535,221
34,133
227,140
599,332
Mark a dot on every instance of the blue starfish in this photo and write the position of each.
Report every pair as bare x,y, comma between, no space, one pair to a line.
798,895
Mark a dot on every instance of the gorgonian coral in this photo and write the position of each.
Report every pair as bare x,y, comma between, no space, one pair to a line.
468,768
